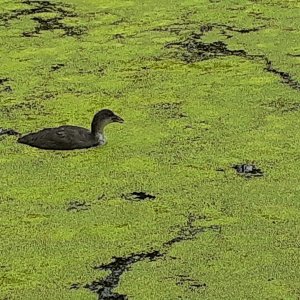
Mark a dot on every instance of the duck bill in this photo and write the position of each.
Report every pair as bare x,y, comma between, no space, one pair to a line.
118,119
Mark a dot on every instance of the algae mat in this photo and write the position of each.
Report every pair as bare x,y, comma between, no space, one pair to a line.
159,212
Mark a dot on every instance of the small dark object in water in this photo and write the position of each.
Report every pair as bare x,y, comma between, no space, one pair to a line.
78,206
56,67
248,170
8,132
74,286
70,137
137,196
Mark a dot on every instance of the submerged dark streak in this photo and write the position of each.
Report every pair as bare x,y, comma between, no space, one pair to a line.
9,131
104,287
138,196
197,50
61,10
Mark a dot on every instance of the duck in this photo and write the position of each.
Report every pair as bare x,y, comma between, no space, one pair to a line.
69,137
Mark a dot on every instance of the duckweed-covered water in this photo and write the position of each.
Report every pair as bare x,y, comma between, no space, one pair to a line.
158,213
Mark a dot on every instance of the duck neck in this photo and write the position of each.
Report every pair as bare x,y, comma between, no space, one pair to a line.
98,132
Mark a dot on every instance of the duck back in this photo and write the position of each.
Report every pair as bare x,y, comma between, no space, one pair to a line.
60,138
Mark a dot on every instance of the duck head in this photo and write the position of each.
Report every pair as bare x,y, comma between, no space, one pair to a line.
102,118
109,116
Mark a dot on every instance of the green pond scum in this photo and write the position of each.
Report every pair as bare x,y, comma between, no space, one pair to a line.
168,208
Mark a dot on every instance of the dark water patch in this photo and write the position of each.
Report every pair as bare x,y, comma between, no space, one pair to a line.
101,197
190,283
119,265
61,11
227,30
205,28
105,287
138,196
101,71
248,170
189,231
119,21
56,67
52,24
286,78
43,6
9,131
283,105
260,16
196,50
48,95
237,29
84,71
293,55
3,80
4,87
77,205
7,89
119,36
75,286
193,49
244,30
